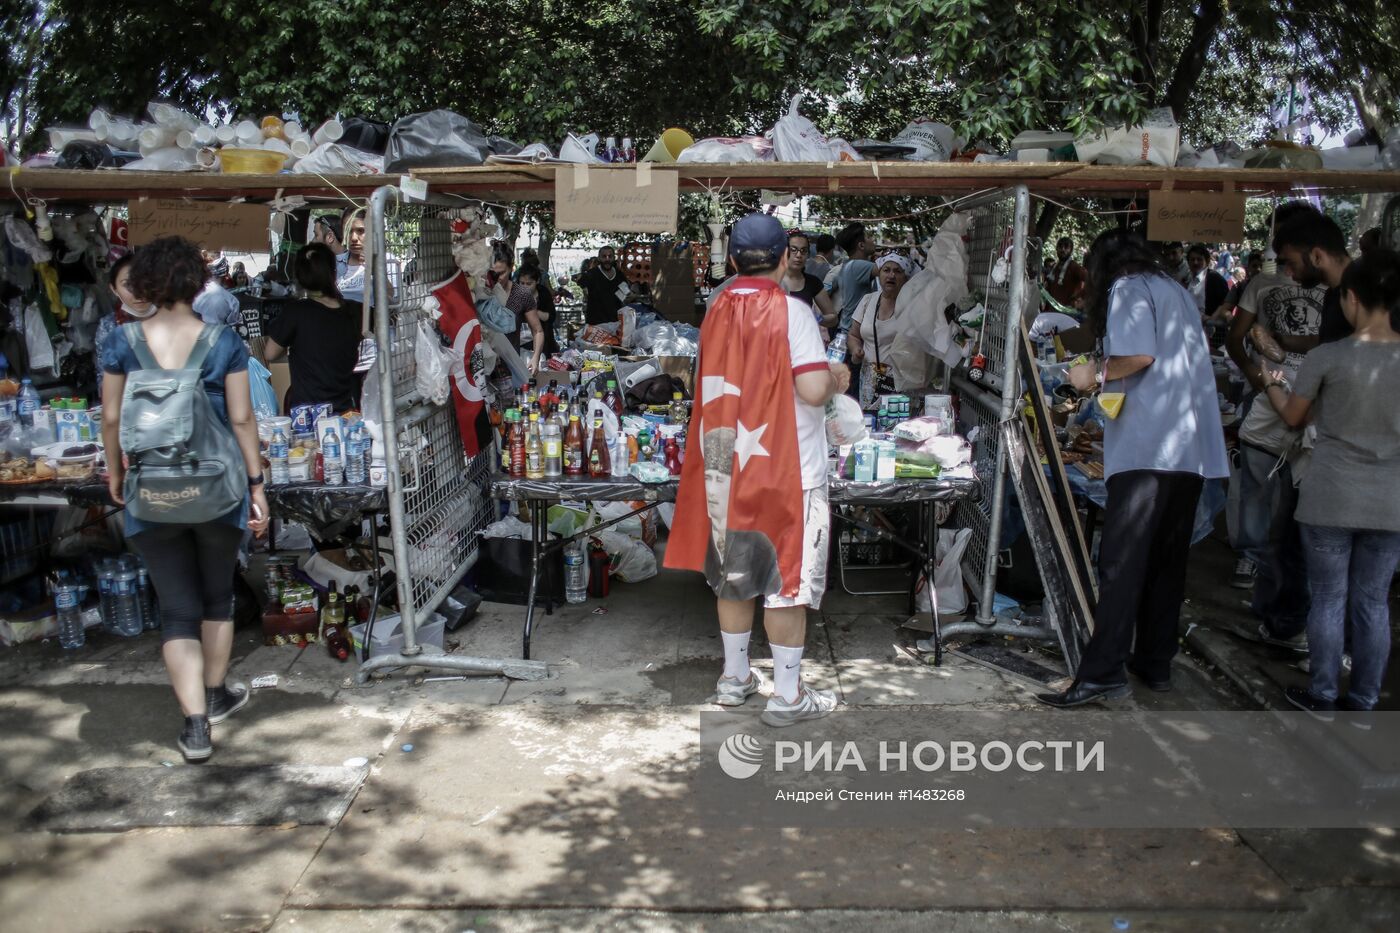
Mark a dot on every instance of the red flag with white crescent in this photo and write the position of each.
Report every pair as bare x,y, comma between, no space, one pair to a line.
460,325
739,508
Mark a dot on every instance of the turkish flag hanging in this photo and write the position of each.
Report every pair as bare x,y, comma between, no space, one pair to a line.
119,235
739,508
460,325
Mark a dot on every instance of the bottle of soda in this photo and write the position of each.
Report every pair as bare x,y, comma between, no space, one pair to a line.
599,462
673,456
611,152
553,449
517,448
573,448
507,429
534,449
612,398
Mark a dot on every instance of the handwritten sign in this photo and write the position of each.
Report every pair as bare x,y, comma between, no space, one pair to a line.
214,225
621,200
1195,217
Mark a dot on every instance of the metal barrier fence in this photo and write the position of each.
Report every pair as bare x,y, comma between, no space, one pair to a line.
438,498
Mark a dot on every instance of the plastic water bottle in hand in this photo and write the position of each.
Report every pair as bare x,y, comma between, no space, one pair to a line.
836,352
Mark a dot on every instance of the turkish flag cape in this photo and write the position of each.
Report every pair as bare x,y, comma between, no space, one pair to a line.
460,325
739,508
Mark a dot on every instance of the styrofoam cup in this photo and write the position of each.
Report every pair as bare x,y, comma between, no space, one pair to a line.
328,132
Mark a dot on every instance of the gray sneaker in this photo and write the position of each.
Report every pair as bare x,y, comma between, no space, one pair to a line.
733,692
810,704
223,702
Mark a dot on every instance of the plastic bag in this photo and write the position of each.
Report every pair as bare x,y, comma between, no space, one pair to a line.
947,574
369,135
339,159
721,149
632,561
845,423
796,139
1156,142
508,527
433,365
495,316
170,159
927,294
579,148
435,138
932,142
260,384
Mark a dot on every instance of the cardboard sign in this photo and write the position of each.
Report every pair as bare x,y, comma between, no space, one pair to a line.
619,200
214,225
1195,217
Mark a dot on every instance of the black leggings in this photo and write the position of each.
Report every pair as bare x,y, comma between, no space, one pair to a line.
192,568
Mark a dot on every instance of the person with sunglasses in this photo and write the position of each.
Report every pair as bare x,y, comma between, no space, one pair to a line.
804,286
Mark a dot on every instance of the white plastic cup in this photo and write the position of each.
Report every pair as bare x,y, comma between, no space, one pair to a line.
204,134
207,157
99,119
328,132
291,129
300,146
273,144
123,134
155,137
185,139
226,134
249,133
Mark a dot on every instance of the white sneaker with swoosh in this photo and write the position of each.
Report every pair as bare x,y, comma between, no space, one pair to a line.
810,704
733,692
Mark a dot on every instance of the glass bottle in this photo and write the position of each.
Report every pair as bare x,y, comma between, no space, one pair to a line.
599,462
573,448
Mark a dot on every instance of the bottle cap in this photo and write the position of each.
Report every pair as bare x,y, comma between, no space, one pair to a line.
677,397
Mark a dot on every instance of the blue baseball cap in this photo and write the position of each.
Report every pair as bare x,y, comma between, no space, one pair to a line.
758,232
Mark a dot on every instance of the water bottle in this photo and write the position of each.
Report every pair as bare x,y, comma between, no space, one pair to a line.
146,597
575,583
277,453
332,457
355,471
28,402
836,352
105,572
126,606
70,616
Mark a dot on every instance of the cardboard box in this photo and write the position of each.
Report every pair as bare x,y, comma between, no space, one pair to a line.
682,367
281,381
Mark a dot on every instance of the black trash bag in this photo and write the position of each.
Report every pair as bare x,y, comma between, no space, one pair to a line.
88,154
503,573
434,139
365,135
657,390
504,147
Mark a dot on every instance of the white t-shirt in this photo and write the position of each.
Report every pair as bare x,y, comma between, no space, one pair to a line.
808,355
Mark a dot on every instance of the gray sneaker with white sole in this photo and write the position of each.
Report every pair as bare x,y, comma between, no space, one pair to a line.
810,704
734,692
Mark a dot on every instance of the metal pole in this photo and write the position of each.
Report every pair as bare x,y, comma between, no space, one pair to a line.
1010,394
378,267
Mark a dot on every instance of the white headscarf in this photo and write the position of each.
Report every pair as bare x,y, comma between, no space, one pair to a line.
901,261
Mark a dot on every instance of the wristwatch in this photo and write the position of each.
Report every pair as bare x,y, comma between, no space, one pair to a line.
255,480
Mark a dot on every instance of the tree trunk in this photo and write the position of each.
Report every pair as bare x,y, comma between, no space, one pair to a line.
1193,58
546,222
1146,29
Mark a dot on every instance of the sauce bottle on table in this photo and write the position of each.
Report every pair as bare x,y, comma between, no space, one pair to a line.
534,449
573,448
599,462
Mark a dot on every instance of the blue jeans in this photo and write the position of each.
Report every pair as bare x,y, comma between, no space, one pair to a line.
1349,572
1269,536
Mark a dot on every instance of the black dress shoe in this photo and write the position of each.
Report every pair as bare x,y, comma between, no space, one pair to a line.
1155,684
1084,691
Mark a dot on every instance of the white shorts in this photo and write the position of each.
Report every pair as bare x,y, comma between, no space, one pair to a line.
816,526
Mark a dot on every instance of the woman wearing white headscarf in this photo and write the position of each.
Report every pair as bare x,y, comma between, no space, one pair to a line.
890,362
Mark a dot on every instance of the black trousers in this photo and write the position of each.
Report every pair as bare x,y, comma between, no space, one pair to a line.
1142,574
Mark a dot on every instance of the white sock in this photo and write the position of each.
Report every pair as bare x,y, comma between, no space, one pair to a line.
736,655
787,671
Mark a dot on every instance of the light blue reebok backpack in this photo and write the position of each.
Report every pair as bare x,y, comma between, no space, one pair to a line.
185,465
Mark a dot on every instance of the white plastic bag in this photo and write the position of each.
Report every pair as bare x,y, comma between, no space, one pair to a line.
947,575
720,149
796,139
632,561
508,527
1156,142
943,281
433,365
335,159
932,142
845,423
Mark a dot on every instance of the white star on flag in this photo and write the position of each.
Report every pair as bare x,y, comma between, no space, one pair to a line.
746,444
714,388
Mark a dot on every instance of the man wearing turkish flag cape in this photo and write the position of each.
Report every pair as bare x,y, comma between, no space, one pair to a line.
752,512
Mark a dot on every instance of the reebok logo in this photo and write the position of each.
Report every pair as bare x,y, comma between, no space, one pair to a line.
169,500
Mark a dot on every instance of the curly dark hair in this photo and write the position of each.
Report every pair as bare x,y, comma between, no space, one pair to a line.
168,271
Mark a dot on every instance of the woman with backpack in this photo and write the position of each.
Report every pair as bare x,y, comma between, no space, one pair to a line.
186,465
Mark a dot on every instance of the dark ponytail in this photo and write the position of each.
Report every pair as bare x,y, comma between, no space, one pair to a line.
1375,280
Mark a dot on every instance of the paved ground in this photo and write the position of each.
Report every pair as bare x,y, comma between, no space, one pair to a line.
564,803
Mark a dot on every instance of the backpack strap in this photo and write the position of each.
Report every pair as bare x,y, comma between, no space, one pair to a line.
136,337
207,338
